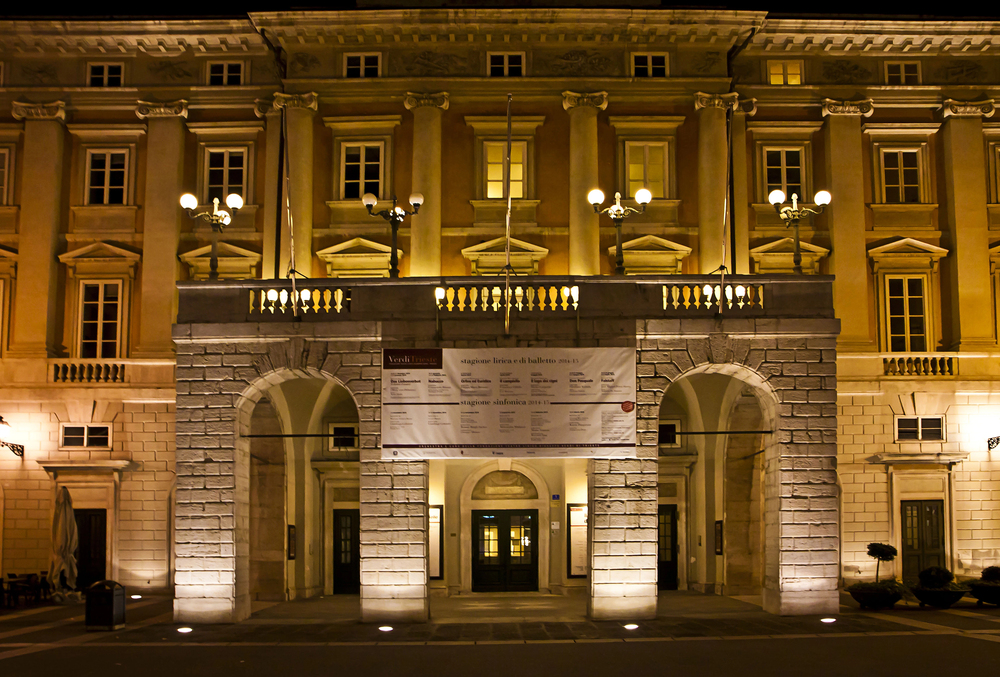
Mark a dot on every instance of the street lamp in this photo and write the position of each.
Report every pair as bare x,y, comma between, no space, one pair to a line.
619,214
5,432
219,218
394,216
791,215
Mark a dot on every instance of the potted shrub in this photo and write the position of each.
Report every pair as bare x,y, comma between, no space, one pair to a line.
938,588
878,594
987,588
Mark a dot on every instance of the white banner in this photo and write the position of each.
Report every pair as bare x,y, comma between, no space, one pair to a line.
542,402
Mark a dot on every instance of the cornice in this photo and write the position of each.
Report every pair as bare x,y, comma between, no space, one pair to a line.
782,37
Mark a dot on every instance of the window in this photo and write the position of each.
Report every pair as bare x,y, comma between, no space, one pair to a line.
646,167
5,182
225,73
902,73
649,65
343,436
105,74
361,170
668,434
506,64
900,176
86,436
784,72
367,65
783,170
494,156
920,428
100,319
106,176
225,173
906,313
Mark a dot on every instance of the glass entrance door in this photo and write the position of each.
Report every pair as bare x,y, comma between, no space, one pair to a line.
505,553
346,552
666,551
923,537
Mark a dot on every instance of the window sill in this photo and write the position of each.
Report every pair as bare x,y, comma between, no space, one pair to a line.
934,458
103,218
903,215
492,212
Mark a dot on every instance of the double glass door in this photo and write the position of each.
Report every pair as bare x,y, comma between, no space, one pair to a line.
505,554
923,537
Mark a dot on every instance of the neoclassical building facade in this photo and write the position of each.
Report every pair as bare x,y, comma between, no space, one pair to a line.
216,399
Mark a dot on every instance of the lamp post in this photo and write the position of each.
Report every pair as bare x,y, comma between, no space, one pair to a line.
394,216
791,215
219,218
618,213
5,431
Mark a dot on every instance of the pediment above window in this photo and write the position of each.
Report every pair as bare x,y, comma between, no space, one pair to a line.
8,261
652,255
101,259
778,257
906,254
235,263
358,258
489,258
994,258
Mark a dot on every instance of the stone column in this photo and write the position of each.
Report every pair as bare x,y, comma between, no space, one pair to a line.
967,225
845,216
275,225
161,225
425,227
741,177
35,302
713,166
584,223
300,110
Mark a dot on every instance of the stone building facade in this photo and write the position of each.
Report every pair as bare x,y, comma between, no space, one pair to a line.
218,443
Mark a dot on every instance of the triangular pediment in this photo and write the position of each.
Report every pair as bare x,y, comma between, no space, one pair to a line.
225,250
8,253
358,257
652,243
359,246
906,253
786,245
233,263
498,246
99,251
8,261
651,255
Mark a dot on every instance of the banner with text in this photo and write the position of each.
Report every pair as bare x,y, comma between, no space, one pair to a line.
541,402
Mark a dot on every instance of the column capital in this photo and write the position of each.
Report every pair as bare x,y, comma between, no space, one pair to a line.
309,101
598,100
55,110
967,109
728,101
157,109
862,107
426,100
264,107
747,106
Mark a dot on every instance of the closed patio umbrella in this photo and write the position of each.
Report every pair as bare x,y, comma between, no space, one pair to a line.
65,541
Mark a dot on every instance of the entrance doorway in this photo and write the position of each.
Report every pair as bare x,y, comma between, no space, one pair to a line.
346,552
923,537
91,559
666,551
505,553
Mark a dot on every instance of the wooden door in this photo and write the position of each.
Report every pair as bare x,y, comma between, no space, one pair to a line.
505,552
346,552
923,537
91,557
666,551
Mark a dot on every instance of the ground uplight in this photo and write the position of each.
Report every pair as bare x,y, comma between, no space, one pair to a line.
136,596
828,620
385,628
184,631
630,626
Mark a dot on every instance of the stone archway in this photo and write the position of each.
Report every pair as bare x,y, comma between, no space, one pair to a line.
468,503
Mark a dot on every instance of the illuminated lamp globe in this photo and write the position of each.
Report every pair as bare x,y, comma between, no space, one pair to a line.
234,201
368,200
595,197
776,197
189,201
822,198
643,196
416,199
224,217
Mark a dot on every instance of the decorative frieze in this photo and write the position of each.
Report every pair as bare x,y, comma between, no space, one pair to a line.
426,99
952,107
598,100
862,107
729,101
22,110
153,109
309,101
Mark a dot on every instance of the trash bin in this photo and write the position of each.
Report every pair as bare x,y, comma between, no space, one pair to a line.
105,606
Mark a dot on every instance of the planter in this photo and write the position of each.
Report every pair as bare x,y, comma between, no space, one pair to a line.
986,594
940,598
875,599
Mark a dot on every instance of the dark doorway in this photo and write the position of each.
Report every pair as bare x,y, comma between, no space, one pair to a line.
505,555
666,551
91,557
923,537
346,552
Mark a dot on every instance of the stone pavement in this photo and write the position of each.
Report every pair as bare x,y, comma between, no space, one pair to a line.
485,619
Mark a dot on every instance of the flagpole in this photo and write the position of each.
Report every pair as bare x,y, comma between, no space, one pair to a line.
506,268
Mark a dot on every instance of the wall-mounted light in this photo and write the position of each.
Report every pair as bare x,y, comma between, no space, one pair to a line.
5,433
